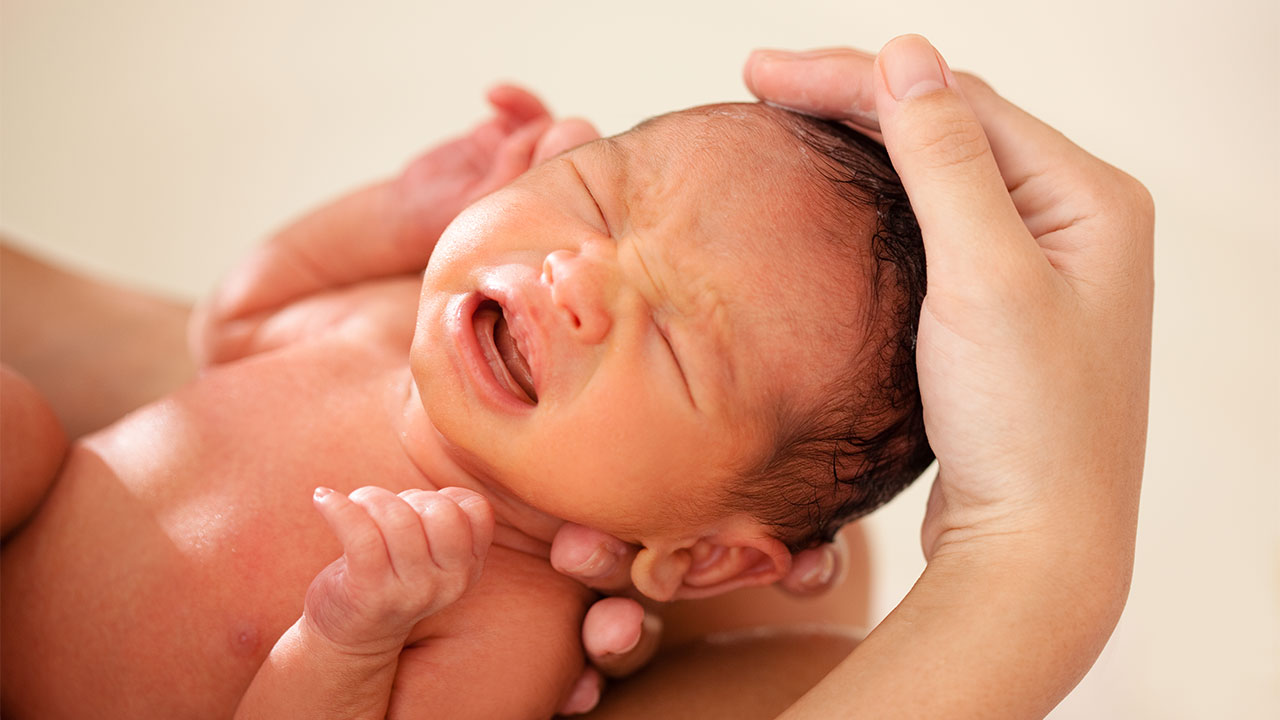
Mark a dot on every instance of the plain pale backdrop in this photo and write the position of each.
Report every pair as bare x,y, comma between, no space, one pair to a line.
154,141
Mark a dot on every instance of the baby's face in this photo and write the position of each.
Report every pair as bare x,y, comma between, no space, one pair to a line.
613,336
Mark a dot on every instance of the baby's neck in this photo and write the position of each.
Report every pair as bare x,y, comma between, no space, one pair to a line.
519,526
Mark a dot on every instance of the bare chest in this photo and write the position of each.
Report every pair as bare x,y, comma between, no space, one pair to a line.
178,543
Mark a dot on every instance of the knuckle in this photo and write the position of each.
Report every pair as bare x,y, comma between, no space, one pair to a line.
1125,198
365,494
400,517
365,543
411,494
954,142
440,510
1140,199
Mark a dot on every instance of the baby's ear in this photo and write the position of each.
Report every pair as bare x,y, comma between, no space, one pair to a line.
710,565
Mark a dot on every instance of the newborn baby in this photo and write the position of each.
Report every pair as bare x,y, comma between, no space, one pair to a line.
697,336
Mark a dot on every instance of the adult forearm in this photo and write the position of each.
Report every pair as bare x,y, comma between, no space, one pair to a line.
94,350
306,676
994,635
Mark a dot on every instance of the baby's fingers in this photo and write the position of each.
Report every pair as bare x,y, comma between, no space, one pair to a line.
833,83
479,513
401,529
458,526
362,543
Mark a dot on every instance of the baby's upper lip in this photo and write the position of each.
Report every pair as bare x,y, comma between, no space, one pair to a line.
526,321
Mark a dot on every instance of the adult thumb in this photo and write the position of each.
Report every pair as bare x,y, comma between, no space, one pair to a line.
941,153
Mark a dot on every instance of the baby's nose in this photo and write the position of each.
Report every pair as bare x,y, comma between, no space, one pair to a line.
580,288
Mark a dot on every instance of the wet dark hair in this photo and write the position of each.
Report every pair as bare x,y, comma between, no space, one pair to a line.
868,443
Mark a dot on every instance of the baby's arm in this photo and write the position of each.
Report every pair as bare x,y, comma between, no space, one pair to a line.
404,557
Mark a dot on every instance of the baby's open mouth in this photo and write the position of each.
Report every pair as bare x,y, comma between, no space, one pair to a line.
503,352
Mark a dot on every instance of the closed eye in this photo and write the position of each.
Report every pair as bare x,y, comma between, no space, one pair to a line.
587,188
676,359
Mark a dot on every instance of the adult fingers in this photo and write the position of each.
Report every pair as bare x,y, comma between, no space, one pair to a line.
833,83
597,560
619,636
1056,185
839,84
817,570
940,150
583,697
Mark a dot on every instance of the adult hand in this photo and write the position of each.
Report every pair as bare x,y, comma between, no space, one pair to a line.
1033,356
620,633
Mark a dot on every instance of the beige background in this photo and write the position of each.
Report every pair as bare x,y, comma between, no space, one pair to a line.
153,141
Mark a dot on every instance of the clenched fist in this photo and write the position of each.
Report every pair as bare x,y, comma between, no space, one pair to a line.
404,557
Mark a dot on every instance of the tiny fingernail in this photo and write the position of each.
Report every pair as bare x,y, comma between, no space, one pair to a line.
323,492
911,67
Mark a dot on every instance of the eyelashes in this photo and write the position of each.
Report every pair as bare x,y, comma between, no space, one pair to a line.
662,333
675,359
596,203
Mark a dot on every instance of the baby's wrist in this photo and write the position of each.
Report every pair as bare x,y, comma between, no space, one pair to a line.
366,646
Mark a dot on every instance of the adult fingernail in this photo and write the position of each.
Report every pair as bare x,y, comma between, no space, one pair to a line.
770,54
822,573
598,564
583,698
631,645
911,67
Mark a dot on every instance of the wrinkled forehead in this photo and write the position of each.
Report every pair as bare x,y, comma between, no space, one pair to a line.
728,180
735,207
745,191
736,161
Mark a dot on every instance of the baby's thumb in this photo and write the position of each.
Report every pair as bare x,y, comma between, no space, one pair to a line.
942,155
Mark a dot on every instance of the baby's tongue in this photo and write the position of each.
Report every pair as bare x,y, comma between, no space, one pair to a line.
514,360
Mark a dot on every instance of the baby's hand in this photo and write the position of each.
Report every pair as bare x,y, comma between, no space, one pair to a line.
404,557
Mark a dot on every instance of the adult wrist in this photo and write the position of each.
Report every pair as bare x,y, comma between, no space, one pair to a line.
1048,573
